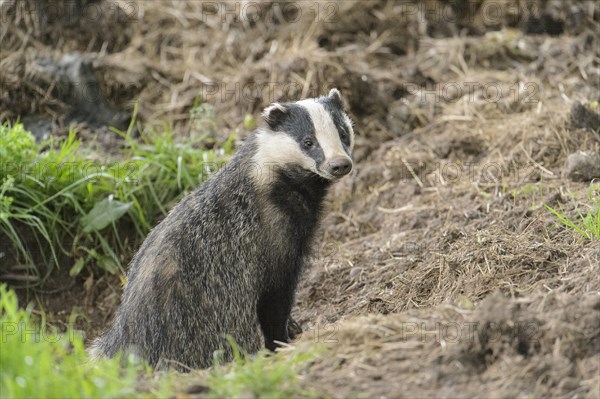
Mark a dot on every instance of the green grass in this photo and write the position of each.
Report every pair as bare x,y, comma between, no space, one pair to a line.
59,206
587,225
36,363
264,375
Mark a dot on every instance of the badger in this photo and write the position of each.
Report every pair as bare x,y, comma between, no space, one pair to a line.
226,260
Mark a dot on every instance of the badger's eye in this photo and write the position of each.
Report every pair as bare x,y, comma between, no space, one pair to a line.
308,143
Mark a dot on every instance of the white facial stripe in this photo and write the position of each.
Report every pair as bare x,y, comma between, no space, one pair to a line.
278,149
350,130
325,130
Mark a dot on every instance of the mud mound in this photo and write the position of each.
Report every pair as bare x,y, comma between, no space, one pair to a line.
506,348
451,216
554,332
453,209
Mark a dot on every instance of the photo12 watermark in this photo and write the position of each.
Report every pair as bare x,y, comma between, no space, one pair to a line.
286,12
491,92
442,333
490,13
71,11
90,171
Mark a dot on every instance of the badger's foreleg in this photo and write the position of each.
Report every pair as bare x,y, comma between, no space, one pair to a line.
274,308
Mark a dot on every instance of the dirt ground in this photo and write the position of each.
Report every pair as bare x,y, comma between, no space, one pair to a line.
439,271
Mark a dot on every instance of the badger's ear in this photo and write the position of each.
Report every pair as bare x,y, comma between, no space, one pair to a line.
274,114
336,97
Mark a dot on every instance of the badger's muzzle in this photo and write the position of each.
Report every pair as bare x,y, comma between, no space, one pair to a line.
339,167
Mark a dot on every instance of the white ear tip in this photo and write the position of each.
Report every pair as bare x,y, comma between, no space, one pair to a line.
277,106
272,107
336,96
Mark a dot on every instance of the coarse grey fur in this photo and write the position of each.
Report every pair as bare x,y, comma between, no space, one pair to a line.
227,258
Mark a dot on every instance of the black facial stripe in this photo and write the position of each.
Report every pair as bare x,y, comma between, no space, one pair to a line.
337,115
298,124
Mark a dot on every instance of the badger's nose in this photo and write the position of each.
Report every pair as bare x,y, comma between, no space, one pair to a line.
340,166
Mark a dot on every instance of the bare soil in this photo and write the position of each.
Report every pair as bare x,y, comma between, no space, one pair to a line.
439,271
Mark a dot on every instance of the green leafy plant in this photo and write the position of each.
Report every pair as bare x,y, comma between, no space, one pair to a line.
58,204
16,145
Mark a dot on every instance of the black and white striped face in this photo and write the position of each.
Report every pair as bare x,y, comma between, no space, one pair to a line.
315,134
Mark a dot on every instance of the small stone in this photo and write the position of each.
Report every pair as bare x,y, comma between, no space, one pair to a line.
355,271
582,166
473,215
583,117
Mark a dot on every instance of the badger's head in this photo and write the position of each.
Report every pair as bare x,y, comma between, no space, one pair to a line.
313,135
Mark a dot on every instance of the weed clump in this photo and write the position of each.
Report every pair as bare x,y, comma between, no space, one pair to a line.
60,205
